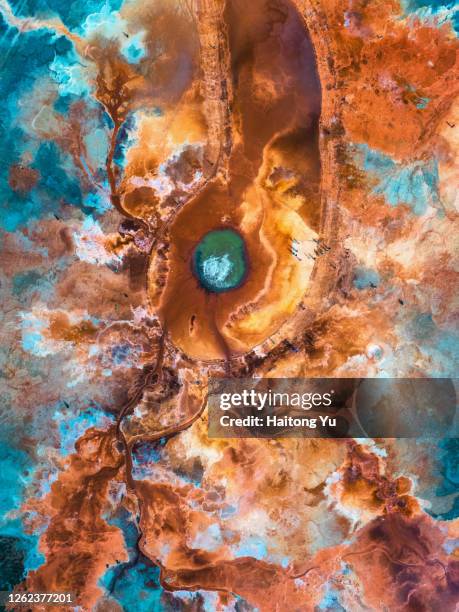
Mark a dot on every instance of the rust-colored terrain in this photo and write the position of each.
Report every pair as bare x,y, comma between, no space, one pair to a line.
324,133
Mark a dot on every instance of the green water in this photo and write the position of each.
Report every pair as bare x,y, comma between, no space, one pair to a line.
219,260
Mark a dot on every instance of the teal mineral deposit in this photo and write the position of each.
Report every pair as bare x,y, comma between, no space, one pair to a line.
220,261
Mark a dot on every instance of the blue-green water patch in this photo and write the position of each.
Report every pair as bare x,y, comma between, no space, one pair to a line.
73,423
27,59
134,584
330,600
442,10
133,49
365,278
423,102
71,13
220,261
27,285
252,546
23,281
51,164
16,471
440,347
414,184
11,562
448,462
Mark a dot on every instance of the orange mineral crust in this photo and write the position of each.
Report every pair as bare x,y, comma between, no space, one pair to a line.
395,77
234,189
79,543
270,194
